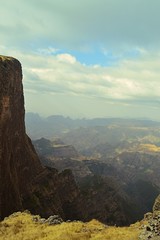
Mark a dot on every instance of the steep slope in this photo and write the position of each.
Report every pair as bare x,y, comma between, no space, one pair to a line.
24,183
114,191
18,160
57,148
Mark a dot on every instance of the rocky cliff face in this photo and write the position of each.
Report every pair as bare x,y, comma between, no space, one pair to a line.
57,148
18,161
151,228
24,183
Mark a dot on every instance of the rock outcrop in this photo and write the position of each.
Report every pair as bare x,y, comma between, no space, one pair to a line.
57,148
156,206
24,183
151,228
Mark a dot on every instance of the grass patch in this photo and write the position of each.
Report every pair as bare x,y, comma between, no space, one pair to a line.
20,226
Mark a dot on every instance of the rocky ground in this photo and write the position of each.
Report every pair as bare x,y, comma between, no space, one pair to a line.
151,229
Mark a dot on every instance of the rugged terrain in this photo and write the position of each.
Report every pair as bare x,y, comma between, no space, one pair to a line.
117,161
24,182
114,191
24,226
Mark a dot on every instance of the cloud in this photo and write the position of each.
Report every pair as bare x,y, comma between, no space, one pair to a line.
80,24
45,35
47,51
132,81
68,86
66,58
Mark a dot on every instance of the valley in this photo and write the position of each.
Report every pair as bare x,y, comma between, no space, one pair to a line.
115,163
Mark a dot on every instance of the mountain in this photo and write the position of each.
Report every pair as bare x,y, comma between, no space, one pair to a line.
113,191
104,192
57,125
57,148
24,182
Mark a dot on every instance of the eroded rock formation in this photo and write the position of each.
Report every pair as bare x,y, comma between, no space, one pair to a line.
24,183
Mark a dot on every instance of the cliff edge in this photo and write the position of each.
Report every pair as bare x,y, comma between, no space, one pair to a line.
24,183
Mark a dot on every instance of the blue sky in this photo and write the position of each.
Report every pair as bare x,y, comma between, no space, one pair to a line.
92,58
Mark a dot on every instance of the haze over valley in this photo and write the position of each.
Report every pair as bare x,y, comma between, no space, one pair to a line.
104,153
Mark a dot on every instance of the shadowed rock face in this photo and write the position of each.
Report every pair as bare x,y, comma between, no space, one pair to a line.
24,183
18,160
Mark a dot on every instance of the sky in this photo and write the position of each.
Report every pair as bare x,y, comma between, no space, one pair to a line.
86,58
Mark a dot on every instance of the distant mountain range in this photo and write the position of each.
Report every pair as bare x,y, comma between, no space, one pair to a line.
56,125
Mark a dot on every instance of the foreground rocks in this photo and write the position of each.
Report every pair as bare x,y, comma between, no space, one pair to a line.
151,230
52,220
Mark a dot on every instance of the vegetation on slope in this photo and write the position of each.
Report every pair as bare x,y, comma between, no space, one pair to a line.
149,148
20,226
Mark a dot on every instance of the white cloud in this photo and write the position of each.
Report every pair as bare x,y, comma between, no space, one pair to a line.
47,51
132,80
66,58
36,31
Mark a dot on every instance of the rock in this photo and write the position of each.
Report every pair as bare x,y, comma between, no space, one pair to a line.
24,182
55,219
52,220
56,149
152,229
156,206
148,216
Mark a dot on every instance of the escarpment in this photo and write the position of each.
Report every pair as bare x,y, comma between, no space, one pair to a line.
24,183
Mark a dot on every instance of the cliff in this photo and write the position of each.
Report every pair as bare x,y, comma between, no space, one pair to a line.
57,148
24,183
